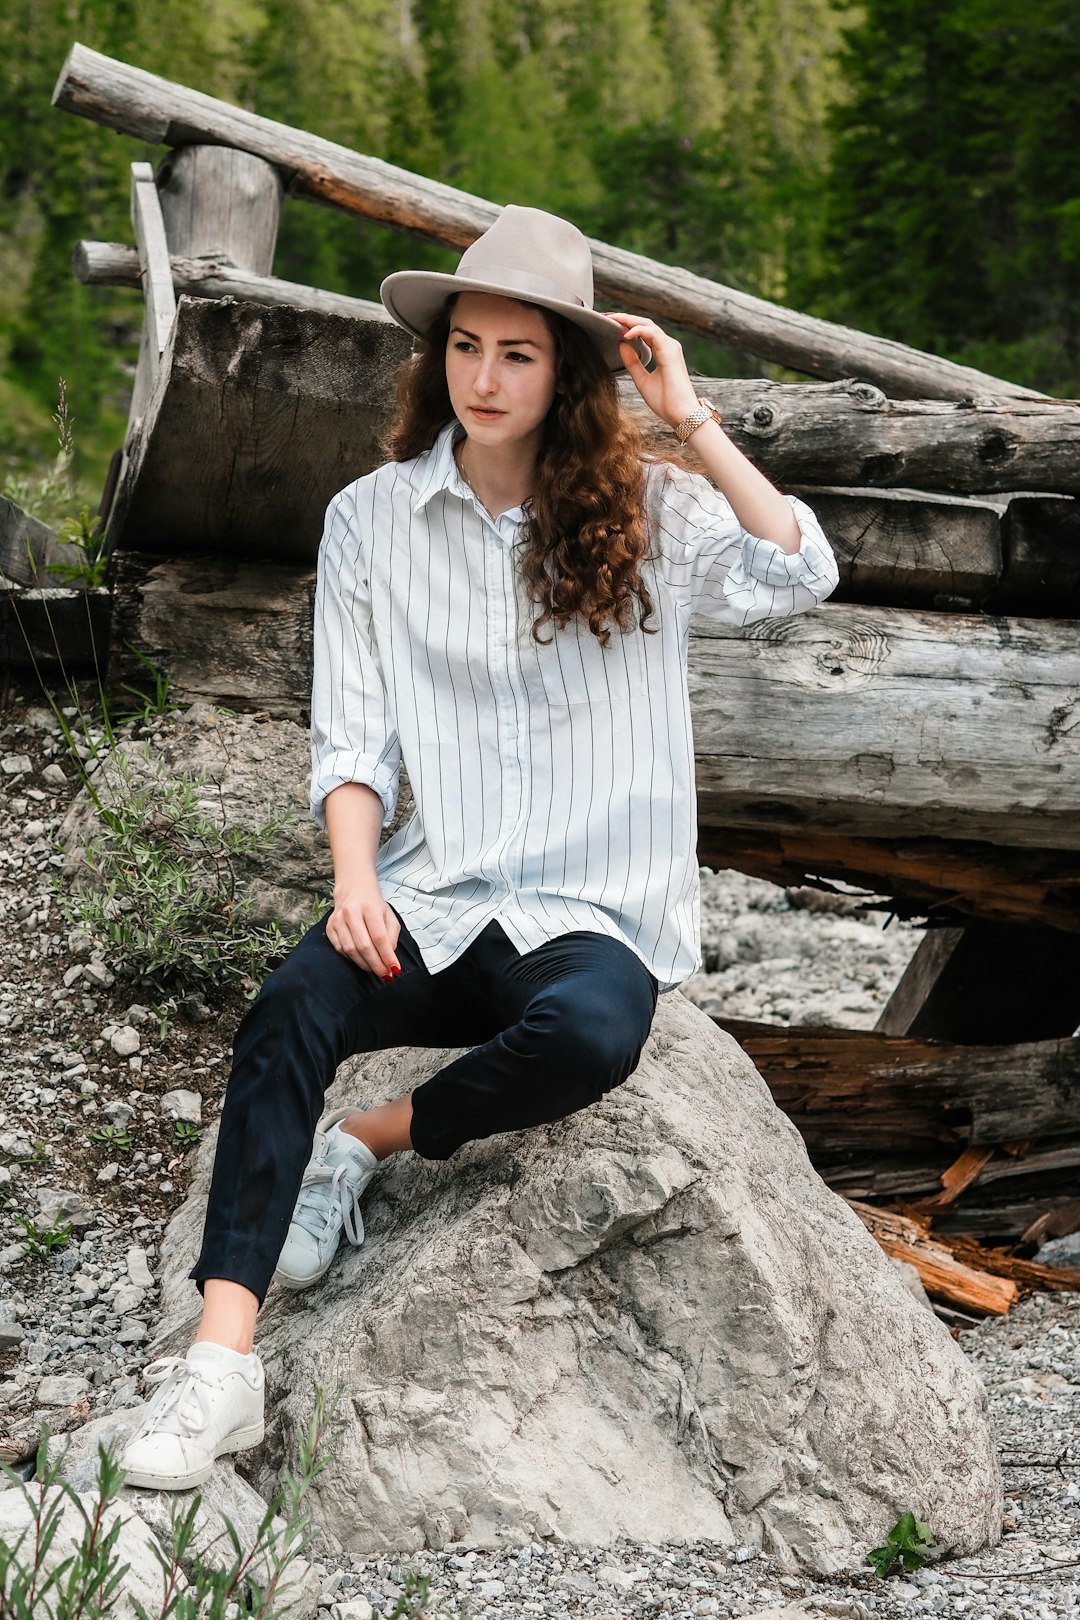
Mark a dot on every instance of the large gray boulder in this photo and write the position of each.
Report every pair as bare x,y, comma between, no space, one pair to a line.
652,1319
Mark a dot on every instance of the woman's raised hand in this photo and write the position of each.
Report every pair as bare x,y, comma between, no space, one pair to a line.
667,390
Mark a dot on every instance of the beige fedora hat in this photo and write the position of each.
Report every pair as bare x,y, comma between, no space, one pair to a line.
526,254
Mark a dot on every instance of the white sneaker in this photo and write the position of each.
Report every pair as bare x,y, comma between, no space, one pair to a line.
210,1402
338,1171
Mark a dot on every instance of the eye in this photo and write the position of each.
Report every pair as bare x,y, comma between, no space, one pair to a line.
526,359
463,345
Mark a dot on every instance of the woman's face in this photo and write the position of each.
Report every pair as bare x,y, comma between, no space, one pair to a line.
500,369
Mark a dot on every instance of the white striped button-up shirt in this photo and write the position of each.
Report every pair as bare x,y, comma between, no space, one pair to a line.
554,784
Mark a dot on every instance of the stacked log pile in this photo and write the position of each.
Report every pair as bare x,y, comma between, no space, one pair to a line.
918,738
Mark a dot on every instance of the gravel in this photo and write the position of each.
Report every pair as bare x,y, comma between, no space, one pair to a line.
88,1059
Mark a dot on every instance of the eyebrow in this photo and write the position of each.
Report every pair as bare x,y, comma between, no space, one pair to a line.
504,343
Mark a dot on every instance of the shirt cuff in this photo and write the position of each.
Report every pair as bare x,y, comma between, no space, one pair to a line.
337,769
813,565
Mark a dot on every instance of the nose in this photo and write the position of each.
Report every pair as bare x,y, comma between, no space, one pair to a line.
485,381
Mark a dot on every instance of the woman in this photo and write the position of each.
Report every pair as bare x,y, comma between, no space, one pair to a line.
503,606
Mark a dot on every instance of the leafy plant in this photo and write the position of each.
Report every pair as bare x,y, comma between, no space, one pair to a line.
40,1241
87,535
88,1585
151,704
908,1544
113,1136
187,1134
161,886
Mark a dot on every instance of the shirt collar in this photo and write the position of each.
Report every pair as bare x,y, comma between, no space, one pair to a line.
439,471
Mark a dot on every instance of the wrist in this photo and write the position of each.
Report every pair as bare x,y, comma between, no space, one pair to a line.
697,415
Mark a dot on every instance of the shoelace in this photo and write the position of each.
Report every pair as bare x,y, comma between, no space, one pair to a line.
177,1407
323,1188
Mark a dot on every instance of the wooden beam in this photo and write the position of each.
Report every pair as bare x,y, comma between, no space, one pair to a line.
55,629
949,879
851,1091
892,724
111,264
265,414
990,981
155,109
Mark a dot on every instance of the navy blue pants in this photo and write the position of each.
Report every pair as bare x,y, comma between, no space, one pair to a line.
550,1031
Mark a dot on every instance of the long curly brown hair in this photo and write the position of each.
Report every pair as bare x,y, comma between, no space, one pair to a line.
586,533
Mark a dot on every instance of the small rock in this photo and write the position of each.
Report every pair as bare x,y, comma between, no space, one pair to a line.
137,1015
125,1041
109,1173
62,1389
182,1105
353,1609
98,974
54,775
11,1334
119,1113
64,1205
138,1269
15,764
127,1300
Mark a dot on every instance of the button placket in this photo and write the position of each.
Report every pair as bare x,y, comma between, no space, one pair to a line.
502,631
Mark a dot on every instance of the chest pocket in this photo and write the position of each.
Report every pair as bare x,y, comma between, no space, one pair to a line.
574,668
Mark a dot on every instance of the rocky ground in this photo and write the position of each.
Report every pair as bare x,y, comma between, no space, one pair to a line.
104,1087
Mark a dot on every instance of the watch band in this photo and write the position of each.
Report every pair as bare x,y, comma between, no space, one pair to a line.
705,411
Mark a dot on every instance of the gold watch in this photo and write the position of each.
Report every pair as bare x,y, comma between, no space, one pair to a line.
703,412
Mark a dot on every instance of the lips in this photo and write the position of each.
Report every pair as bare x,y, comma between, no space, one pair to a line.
484,414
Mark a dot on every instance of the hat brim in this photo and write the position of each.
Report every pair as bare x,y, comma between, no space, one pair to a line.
415,299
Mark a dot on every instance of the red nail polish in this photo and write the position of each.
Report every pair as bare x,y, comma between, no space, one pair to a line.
395,971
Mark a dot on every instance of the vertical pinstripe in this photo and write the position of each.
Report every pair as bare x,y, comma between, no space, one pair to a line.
554,784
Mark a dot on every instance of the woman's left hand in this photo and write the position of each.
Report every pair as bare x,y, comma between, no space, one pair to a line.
667,390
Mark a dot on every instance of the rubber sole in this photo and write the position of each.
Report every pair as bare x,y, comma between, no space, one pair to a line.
239,1440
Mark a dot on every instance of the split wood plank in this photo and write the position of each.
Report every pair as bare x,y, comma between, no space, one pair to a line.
155,109
111,264
153,255
941,1273
960,1175
950,879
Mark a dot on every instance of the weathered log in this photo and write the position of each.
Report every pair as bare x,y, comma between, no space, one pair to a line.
942,1274
229,632
157,110
852,1091
55,629
951,880
1041,543
262,415
111,264
1049,1171
992,982
849,434
876,721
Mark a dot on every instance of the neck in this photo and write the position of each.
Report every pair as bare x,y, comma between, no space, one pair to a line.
502,476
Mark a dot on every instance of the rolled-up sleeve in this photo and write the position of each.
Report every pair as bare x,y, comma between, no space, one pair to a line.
353,734
730,574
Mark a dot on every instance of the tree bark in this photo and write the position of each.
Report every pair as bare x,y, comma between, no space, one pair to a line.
157,110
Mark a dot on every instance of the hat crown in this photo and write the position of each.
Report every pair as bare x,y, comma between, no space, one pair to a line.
537,254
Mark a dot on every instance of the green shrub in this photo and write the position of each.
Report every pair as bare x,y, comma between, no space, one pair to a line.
160,887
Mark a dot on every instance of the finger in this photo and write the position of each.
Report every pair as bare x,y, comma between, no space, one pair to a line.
381,943
354,942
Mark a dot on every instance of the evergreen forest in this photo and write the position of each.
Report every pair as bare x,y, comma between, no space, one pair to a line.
907,166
